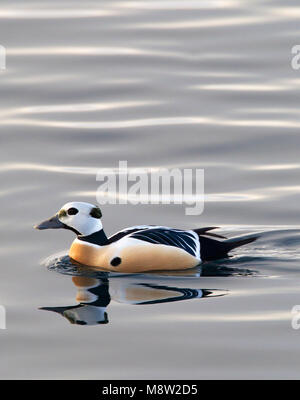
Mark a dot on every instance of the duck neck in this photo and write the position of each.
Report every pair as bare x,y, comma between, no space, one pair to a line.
98,238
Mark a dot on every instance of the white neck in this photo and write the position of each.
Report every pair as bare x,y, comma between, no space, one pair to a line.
87,226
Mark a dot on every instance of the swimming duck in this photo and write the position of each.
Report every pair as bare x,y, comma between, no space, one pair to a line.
137,248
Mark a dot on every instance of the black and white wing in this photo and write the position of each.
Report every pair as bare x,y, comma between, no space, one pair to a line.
185,240
126,232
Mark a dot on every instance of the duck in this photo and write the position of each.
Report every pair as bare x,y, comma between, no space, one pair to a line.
137,248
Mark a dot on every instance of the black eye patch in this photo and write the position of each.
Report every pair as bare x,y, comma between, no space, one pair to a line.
96,212
72,211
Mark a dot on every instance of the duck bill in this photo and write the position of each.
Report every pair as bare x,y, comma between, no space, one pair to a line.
51,223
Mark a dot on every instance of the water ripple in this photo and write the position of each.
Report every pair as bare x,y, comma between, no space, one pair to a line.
59,13
148,122
177,5
261,316
216,23
8,167
172,198
75,108
100,51
242,87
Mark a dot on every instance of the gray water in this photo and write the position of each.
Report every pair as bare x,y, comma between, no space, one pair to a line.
159,84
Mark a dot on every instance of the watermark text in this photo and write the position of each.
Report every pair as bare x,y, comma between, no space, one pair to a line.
125,185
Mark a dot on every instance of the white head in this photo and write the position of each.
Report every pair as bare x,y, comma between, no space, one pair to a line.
83,218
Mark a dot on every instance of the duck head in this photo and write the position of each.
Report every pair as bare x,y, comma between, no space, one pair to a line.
82,218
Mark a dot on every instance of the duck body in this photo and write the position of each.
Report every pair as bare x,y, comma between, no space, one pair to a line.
138,248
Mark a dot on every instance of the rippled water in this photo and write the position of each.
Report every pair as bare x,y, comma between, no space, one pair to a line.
161,84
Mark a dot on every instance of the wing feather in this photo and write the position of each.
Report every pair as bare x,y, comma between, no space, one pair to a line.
185,240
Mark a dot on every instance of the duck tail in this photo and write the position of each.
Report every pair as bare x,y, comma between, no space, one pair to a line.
212,249
234,243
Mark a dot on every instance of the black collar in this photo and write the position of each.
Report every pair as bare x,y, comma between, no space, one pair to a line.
98,238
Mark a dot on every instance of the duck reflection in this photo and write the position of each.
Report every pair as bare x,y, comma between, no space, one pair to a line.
95,294
93,298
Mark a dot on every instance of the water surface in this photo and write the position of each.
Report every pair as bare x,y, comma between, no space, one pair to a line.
160,84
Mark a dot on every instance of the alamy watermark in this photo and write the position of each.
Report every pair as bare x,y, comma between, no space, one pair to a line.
125,185
295,63
2,317
296,317
2,57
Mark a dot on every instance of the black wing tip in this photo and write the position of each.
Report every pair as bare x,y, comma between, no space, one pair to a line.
207,228
241,242
205,231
